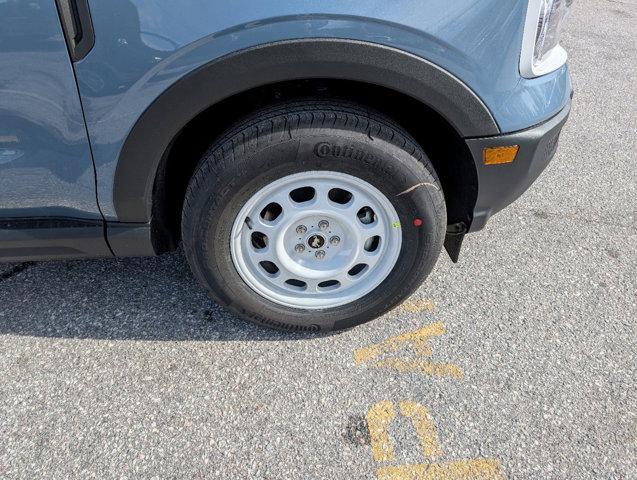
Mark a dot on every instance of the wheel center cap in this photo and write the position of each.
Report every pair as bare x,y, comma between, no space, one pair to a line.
316,241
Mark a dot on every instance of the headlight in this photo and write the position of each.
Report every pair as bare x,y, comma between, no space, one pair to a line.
541,50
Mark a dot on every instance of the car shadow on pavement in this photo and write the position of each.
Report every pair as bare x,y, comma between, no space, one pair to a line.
156,299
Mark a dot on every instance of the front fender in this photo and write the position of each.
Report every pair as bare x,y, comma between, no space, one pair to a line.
271,63
139,55
144,48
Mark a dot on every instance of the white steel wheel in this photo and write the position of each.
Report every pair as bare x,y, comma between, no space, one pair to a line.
316,240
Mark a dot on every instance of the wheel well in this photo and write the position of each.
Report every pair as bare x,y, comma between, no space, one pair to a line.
444,146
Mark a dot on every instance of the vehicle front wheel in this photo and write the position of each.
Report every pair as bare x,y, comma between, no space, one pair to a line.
313,216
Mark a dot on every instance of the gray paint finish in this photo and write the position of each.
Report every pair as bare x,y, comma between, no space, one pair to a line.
271,63
144,47
45,162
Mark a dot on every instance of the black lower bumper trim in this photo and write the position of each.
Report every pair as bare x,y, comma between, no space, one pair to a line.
51,239
48,238
501,185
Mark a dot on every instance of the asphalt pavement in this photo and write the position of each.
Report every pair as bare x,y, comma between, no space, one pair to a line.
519,362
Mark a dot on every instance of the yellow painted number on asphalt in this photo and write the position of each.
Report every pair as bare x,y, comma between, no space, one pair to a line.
380,418
416,306
375,356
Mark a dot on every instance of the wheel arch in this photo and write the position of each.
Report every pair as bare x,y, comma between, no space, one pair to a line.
150,141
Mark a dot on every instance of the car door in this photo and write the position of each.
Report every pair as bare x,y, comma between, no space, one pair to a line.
47,177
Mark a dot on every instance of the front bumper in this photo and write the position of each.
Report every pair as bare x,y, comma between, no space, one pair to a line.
501,185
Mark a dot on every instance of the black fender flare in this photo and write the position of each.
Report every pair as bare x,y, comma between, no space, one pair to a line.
270,63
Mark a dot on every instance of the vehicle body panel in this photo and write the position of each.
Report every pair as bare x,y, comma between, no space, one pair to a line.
141,162
75,136
46,168
144,47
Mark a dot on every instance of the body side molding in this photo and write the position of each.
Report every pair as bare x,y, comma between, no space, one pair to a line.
65,238
51,238
271,63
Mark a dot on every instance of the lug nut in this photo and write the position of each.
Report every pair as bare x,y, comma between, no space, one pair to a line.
299,248
324,224
335,240
301,229
320,254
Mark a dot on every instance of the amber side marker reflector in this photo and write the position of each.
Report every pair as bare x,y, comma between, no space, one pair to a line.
500,155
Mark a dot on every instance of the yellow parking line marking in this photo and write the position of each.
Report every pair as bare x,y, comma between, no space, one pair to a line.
379,419
425,428
419,343
417,339
478,469
416,306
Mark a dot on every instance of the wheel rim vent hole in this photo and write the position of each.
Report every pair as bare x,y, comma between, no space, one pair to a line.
329,285
340,196
303,194
366,215
259,240
297,284
372,244
271,212
357,270
269,267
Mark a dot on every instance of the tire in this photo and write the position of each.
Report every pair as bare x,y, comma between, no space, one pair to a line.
321,143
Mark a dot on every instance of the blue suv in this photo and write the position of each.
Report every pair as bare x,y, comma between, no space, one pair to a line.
313,158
